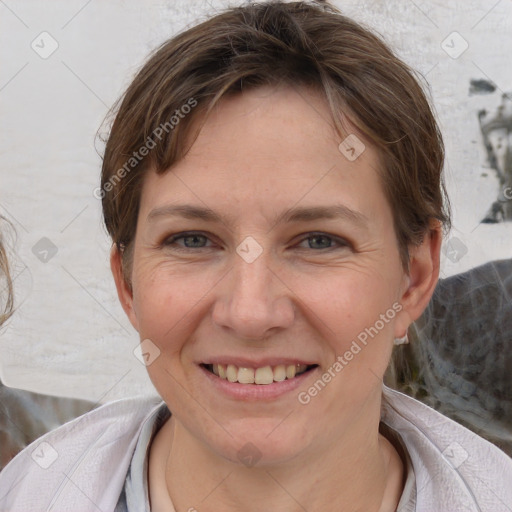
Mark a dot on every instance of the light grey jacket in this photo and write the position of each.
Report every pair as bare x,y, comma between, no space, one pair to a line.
82,465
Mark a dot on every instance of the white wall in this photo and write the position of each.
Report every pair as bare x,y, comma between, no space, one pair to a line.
69,336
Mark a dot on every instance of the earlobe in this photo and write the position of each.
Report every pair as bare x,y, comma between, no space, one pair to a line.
422,279
124,290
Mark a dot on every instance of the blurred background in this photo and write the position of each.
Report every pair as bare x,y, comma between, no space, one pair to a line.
64,63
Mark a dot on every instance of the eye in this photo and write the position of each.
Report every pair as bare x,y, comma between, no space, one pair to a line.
324,241
191,240
197,240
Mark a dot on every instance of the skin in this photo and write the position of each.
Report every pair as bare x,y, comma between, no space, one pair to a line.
257,155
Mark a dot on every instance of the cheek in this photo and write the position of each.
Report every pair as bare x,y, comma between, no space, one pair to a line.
349,302
161,294
169,303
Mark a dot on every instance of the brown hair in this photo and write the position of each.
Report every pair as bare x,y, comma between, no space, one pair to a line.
7,300
297,44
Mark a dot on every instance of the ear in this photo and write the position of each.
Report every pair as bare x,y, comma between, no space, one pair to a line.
124,290
421,279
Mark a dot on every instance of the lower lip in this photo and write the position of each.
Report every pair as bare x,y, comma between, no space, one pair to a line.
256,391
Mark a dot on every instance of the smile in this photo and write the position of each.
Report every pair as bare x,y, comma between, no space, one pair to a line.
260,376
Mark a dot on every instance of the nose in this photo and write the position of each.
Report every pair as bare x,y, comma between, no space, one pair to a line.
254,301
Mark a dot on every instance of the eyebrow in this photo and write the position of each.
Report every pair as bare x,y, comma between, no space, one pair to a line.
296,214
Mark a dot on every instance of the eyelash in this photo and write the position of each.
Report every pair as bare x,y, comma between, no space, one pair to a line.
170,241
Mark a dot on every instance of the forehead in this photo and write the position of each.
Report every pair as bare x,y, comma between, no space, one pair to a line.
269,146
270,123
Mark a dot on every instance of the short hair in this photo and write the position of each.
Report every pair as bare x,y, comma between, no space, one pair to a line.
299,44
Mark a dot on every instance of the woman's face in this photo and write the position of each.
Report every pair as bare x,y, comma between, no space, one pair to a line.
269,246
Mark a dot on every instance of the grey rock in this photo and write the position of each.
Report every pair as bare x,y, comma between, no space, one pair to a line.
25,416
459,360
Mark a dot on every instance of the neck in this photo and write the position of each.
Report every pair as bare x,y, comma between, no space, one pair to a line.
353,473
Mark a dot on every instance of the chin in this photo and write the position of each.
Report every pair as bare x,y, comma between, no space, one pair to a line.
262,442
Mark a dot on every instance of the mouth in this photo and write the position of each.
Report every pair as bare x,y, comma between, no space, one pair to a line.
258,376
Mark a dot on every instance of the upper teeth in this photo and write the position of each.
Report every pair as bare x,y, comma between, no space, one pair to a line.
264,375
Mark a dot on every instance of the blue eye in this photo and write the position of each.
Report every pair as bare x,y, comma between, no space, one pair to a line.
197,240
323,241
191,240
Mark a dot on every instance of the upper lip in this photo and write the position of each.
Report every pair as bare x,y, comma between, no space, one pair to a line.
242,362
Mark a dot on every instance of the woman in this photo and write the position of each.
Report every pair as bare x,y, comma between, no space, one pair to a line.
272,185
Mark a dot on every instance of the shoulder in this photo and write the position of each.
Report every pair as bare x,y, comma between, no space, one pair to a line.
80,465
454,467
